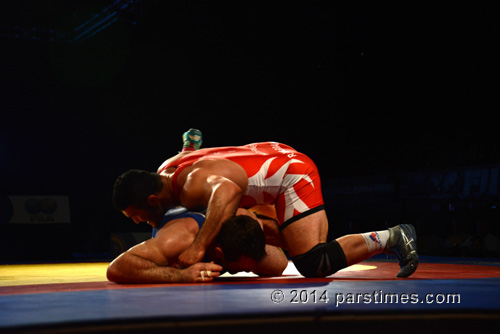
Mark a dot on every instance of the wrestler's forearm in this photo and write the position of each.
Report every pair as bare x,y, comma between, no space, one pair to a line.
130,268
222,205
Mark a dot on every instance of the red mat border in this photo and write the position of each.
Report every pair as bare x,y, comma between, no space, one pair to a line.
385,271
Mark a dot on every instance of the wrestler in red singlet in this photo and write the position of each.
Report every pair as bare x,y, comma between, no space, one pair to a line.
277,174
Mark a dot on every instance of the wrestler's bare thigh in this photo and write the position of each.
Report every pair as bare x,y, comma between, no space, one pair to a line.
305,233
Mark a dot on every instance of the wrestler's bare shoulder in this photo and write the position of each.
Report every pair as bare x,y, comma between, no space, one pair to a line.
170,241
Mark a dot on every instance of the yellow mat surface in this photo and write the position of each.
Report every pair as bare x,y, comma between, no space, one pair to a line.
27,274
24,274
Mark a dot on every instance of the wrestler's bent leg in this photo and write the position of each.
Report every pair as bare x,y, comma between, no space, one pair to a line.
305,240
313,257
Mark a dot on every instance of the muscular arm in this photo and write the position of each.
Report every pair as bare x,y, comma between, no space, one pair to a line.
217,185
222,204
129,267
153,261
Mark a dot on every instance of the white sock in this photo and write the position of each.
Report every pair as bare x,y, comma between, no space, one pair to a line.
376,241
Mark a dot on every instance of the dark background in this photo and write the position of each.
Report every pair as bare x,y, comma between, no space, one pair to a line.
364,89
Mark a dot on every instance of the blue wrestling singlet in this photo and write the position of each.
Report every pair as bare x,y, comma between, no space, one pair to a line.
177,213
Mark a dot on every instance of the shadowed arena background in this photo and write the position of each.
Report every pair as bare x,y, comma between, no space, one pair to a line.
395,103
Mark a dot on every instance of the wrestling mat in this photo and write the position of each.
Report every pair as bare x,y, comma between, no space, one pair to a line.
77,298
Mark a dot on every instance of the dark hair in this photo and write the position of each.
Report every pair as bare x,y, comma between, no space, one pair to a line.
132,188
242,235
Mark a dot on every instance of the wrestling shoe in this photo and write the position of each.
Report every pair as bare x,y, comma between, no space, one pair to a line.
191,140
403,243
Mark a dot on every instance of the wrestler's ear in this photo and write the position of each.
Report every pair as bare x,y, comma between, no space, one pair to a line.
153,201
219,253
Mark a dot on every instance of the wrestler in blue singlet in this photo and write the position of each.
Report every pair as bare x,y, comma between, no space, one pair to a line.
177,213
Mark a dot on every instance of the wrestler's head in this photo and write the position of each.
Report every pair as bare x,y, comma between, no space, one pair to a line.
240,244
135,194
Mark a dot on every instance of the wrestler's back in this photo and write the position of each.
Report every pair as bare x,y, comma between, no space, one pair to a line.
250,157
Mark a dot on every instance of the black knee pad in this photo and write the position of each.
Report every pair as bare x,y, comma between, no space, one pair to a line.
322,260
